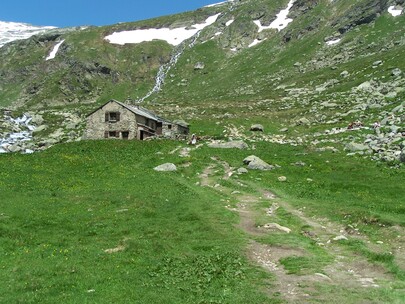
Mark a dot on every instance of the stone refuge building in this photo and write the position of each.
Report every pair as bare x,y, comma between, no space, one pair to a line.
117,120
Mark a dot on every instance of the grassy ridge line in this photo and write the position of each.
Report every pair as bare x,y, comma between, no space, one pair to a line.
62,208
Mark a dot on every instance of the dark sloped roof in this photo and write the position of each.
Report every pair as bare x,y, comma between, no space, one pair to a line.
134,109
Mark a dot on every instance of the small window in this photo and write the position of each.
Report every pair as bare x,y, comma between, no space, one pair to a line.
112,116
169,127
113,134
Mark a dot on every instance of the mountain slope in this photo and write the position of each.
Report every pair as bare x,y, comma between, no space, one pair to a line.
321,62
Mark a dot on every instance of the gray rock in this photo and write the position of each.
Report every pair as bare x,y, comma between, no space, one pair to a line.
377,63
355,147
71,126
37,119
199,66
402,157
303,121
277,227
57,134
15,148
283,130
282,179
39,129
340,238
366,86
344,74
396,72
242,171
229,145
255,163
391,95
166,167
257,127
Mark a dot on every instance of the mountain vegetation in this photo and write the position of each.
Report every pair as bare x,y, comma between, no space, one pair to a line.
321,102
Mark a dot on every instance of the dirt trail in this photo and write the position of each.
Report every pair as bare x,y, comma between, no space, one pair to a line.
347,270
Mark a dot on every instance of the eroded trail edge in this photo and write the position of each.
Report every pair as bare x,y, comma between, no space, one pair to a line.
339,267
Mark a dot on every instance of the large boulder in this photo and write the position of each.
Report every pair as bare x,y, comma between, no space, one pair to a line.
255,163
229,145
166,167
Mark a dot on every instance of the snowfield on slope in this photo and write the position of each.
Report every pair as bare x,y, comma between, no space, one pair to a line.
54,51
171,36
394,11
11,31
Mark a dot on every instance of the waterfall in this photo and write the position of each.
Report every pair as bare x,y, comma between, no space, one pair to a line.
164,69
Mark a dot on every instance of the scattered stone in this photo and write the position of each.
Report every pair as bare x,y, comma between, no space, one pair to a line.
303,121
255,163
344,74
114,250
37,119
228,145
272,210
242,171
277,227
396,72
282,178
377,63
340,238
354,147
365,86
257,127
166,167
199,66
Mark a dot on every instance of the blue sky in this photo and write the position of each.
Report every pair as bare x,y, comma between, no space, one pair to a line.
64,13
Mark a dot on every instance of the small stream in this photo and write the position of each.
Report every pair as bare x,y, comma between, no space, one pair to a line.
13,141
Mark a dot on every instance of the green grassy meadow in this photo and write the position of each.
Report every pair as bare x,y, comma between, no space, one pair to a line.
92,222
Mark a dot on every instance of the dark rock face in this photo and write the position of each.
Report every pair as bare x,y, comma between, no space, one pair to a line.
402,157
362,14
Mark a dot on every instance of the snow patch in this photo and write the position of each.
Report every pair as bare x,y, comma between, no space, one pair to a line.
255,42
219,3
228,23
171,36
282,21
55,50
332,42
394,12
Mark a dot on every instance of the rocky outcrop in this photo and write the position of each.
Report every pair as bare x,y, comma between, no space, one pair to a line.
363,13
